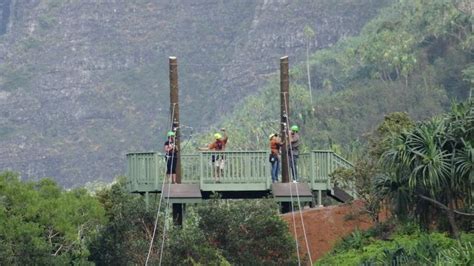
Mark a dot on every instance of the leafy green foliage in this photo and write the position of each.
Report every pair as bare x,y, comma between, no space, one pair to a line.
216,232
432,160
412,248
126,236
247,232
42,224
189,246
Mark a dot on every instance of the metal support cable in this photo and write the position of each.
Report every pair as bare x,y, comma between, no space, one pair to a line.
291,192
166,213
296,184
161,196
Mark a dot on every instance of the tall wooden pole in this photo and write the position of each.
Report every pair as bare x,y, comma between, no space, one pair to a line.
174,112
285,113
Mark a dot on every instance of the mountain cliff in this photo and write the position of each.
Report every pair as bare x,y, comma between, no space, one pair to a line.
84,82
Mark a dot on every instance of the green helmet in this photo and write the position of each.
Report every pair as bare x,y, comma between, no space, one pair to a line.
171,134
218,136
294,128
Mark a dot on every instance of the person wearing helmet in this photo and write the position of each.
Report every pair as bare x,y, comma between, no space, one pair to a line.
275,144
293,151
218,160
171,152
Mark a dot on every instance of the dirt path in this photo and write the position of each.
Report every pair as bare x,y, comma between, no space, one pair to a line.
326,225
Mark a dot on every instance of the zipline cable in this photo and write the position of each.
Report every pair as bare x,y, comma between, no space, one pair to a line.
161,196
297,192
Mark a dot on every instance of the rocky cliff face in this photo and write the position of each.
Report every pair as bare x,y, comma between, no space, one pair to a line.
4,15
84,82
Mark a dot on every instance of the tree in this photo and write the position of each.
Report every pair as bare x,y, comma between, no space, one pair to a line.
42,224
125,238
248,232
434,162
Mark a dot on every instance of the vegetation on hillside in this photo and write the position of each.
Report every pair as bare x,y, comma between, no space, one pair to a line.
41,224
215,232
414,57
422,174
408,245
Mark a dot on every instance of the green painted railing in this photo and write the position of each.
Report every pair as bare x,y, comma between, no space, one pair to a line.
243,170
321,165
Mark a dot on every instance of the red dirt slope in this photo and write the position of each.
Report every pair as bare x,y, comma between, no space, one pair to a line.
326,225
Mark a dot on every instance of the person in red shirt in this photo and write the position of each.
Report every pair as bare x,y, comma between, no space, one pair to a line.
275,144
218,160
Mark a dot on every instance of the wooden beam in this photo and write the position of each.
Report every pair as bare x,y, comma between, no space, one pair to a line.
174,112
284,113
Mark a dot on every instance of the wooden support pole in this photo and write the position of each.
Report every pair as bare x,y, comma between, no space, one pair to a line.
285,207
285,112
320,199
174,112
178,213
147,200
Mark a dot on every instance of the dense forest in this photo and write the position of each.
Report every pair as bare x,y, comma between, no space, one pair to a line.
396,100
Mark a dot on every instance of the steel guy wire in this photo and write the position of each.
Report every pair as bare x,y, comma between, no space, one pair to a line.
161,196
297,192
291,192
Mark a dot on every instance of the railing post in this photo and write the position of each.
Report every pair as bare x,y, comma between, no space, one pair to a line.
328,169
201,168
157,175
267,170
313,170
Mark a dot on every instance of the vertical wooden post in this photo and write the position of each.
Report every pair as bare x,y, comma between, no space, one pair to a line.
147,200
320,198
178,212
174,112
285,112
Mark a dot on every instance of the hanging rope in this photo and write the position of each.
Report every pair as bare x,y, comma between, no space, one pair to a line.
291,192
161,195
288,143
189,138
166,215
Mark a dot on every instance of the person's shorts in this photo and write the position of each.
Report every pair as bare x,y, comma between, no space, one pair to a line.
219,163
171,166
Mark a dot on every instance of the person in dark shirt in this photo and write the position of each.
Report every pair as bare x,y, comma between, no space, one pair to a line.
171,152
293,151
